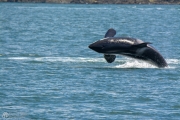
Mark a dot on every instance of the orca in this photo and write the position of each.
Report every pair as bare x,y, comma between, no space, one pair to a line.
110,46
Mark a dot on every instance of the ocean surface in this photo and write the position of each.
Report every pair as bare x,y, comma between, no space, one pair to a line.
47,71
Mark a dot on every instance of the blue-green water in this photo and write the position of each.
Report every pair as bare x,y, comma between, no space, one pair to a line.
47,70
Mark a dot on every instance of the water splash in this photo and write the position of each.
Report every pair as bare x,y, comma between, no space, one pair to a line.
173,61
119,63
131,63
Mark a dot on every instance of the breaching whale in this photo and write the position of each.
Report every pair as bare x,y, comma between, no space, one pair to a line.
131,47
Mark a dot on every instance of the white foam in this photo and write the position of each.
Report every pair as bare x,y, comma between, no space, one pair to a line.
122,63
60,59
19,58
131,63
173,61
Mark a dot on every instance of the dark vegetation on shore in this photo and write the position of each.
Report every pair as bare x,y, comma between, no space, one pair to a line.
99,1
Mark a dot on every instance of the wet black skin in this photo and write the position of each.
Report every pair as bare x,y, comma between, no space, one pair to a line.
131,47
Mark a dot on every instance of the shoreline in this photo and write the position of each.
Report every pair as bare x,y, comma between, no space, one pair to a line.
158,2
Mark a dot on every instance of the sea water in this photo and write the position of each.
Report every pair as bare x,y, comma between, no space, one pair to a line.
47,70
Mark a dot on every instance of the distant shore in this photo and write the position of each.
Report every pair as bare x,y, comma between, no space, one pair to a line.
98,1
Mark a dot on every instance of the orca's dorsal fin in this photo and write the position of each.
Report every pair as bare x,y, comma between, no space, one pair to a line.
144,44
109,58
110,33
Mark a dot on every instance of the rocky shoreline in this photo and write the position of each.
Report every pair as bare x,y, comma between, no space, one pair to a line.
99,1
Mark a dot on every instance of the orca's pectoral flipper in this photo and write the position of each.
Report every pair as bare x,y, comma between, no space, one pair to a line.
110,33
109,58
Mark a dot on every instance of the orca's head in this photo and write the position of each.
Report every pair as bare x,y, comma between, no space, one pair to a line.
101,46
